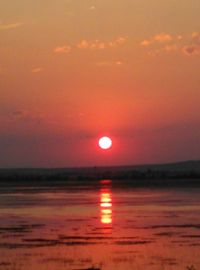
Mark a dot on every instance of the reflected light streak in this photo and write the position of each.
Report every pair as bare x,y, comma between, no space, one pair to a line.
106,206
106,198
106,211
105,219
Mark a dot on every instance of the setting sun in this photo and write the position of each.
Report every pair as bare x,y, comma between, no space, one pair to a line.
105,143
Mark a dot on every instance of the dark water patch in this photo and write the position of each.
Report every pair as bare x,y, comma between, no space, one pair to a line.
195,245
163,260
121,252
171,216
86,238
40,242
100,228
95,233
130,221
192,226
87,260
190,236
58,260
169,261
128,243
31,254
83,243
128,237
75,229
122,259
168,234
180,242
21,245
4,264
90,268
106,230
77,220
67,261
23,228
12,235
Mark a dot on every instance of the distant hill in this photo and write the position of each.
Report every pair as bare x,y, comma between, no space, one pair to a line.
191,165
152,174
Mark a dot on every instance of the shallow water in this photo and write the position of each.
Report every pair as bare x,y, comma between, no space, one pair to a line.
79,227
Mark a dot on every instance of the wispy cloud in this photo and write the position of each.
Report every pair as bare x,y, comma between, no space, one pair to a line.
92,8
160,39
145,42
193,45
37,69
195,36
10,26
62,49
26,115
19,113
109,63
100,45
85,44
187,44
163,37
190,50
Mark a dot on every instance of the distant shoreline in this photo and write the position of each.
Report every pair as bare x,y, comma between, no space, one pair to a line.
175,174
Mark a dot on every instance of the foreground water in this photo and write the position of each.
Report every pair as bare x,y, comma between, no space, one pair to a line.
80,227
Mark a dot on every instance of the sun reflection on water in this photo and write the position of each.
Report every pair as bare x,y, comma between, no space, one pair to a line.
106,203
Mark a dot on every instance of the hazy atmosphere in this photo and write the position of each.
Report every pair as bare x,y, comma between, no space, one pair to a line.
74,70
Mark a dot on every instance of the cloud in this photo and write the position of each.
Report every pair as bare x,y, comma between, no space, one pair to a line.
19,113
109,63
92,8
191,50
100,45
158,38
37,70
146,42
118,63
193,46
179,37
195,37
62,49
163,37
170,48
186,44
10,26
91,45
83,44
121,40
26,115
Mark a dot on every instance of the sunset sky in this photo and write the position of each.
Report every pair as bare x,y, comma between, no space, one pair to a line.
74,70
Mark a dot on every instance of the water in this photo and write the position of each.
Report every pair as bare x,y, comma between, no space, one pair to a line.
83,226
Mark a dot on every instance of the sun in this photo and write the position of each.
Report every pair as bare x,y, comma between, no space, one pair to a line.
105,142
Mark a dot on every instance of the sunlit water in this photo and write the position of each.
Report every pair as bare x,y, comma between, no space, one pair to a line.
80,227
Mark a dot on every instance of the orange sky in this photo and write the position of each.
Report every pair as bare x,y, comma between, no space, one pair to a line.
72,70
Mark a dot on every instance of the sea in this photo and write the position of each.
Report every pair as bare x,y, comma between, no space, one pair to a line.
100,225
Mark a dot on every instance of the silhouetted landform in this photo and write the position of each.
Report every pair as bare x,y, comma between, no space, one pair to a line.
174,174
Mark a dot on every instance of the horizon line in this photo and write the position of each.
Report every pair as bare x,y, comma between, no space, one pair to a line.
101,166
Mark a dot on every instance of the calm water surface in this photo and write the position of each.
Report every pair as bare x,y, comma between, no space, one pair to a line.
79,227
